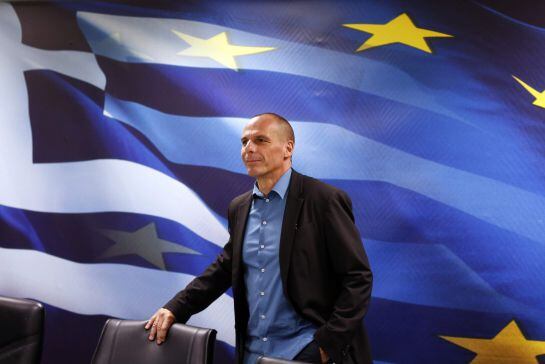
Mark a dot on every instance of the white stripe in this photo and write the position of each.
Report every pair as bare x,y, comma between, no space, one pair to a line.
109,185
116,290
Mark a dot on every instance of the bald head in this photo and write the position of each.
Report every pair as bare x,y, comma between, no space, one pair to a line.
267,146
285,128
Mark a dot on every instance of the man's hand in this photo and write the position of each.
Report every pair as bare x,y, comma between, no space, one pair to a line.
323,355
160,323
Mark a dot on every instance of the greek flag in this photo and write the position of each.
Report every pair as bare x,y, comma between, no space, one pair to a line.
120,152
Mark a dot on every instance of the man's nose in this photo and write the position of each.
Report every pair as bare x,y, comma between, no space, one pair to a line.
249,147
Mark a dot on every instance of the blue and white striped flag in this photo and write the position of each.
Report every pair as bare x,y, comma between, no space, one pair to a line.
119,152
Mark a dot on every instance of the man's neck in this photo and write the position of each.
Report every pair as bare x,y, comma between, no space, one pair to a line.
267,182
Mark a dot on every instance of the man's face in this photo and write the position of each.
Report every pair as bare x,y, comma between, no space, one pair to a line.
265,149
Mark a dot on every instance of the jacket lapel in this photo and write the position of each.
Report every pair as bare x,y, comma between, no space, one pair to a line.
294,203
238,236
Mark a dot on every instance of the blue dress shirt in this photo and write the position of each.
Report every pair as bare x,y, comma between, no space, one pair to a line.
274,328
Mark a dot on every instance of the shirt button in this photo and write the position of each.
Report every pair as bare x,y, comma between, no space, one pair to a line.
262,293
264,339
262,317
267,200
262,270
264,222
262,246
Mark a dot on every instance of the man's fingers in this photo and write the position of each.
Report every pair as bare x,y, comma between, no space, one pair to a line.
150,322
323,355
153,322
152,332
163,329
157,326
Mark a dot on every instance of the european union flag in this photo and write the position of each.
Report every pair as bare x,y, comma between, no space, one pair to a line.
119,146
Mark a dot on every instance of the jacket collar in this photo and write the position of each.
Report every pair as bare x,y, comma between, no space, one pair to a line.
280,187
294,203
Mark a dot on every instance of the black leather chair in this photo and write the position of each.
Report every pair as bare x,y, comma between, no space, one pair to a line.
21,331
125,341
267,360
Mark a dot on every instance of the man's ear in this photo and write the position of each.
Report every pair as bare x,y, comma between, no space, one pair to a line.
288,150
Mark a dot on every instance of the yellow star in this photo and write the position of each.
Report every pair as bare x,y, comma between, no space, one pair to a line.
540,96
508,346
399,30
217,48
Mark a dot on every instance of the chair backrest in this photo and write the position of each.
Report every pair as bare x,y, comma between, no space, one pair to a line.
267,360
21,331
125,341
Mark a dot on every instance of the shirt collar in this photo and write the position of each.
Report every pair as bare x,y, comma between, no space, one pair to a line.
280,187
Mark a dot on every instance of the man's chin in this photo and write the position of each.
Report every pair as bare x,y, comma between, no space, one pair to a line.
253,172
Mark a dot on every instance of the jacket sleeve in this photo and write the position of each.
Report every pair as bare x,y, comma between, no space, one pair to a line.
351,266
206,288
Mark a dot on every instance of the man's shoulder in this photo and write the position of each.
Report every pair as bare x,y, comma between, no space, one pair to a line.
311,187
316,189
240,199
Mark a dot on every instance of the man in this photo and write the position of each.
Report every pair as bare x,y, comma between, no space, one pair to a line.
301,280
